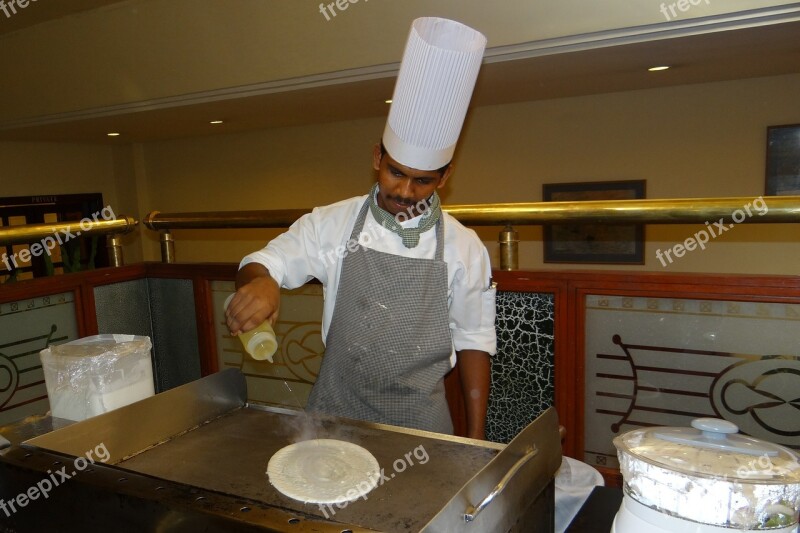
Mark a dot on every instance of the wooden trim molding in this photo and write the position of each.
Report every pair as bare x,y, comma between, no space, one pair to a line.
206,329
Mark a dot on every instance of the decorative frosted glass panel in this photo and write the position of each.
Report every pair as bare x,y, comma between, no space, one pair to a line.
664,361
26,328
288,380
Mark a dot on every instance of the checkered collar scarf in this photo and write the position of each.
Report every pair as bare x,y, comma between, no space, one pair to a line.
410,236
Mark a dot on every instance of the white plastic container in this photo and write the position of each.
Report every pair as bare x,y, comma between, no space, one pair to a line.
94,375
706,479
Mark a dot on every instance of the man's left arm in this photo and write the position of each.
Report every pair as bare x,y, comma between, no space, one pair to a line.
472,324
473,367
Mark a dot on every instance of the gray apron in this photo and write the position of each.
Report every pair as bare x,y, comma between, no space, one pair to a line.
389,342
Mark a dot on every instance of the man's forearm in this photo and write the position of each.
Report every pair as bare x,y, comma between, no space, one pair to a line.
474,369
249,272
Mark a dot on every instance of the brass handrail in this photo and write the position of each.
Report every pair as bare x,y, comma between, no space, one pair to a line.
276,218
770,209
61,232
663,211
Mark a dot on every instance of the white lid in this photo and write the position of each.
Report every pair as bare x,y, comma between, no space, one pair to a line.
712,448
437,75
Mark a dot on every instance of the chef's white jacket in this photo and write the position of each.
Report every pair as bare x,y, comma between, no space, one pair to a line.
314,246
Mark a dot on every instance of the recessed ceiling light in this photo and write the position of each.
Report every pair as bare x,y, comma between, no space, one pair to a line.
388,101
216,122
113,134
656,69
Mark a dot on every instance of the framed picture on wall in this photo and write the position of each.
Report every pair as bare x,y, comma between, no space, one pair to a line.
783,161
594,243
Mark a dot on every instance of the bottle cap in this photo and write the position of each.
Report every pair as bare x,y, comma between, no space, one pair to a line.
262,345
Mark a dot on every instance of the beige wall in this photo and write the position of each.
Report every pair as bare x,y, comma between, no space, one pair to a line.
691,141
56,168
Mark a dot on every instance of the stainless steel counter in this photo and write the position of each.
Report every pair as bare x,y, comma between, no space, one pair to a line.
196,456
231,456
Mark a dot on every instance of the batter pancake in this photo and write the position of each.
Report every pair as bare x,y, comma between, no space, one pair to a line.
323,471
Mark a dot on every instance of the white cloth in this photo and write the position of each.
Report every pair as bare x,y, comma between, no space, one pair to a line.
314,246
574,482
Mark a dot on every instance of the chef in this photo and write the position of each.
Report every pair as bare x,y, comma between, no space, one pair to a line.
407,288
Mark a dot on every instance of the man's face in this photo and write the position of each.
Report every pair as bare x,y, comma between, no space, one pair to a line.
403,189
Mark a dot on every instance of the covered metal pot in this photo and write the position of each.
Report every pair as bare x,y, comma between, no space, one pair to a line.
706,478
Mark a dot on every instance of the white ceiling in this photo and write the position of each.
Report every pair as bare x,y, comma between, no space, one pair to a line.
723,55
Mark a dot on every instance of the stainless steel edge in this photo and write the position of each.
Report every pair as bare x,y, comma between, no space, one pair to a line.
31,426
141,425
385,427
531,478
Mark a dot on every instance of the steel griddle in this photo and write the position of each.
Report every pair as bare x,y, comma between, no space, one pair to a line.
197,455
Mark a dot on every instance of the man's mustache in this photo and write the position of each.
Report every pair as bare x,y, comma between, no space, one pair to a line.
400,200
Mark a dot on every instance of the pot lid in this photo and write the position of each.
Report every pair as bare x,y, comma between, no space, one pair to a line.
713,448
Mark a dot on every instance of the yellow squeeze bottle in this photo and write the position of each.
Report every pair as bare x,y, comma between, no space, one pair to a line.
259,342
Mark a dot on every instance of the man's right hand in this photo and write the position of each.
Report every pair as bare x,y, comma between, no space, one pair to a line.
258,298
